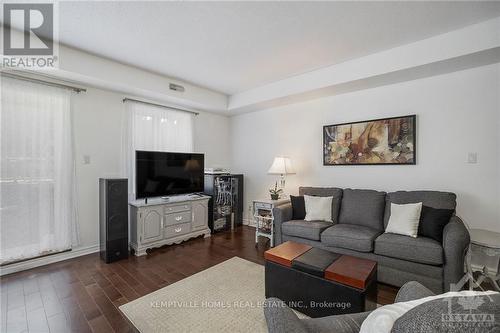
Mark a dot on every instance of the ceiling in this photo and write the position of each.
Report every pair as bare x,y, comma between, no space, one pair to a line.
235,46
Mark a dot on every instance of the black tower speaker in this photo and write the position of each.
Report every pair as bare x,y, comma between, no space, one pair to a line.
113,219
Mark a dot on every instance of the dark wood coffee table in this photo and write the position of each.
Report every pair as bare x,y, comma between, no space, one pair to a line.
316,287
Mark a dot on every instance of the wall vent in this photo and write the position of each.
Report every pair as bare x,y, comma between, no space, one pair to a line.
176,87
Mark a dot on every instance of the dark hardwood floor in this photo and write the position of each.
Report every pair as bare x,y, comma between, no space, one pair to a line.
83,294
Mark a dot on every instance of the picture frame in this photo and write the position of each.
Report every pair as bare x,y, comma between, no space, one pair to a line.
383,141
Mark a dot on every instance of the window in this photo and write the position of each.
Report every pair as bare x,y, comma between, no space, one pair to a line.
36,171
154,128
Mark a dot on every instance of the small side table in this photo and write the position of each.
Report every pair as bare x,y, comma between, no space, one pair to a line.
264,218
485,252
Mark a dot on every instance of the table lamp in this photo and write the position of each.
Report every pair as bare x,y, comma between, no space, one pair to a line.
281,166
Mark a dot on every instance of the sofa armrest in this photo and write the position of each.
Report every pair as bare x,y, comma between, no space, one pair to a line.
344,323
280,318
411,291
281,214
456,241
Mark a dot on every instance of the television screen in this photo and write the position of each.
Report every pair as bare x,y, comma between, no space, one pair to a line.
161,174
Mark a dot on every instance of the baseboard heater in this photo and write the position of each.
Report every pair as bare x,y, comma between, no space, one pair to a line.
37,257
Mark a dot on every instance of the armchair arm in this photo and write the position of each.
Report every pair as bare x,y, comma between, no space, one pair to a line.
281,214
411,291
456,241
280,318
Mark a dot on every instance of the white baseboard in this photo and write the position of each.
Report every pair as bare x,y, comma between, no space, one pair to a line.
249,222
37,262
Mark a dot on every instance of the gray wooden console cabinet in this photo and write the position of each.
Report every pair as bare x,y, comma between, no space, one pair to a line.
161,222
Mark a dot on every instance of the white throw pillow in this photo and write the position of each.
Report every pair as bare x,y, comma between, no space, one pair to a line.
404,219
318,208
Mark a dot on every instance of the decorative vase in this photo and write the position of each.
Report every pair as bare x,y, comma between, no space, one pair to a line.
275,196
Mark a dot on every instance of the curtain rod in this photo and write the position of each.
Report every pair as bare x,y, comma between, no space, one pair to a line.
48,83
159,105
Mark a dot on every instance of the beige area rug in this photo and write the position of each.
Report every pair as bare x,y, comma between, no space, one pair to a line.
227,297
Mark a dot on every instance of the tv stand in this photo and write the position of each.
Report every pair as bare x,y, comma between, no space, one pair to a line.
165,222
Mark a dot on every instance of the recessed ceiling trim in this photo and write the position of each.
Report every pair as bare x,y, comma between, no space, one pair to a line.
471,40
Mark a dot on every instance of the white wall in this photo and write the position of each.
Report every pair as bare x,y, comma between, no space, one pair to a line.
456,113
212,137
97,133
97,117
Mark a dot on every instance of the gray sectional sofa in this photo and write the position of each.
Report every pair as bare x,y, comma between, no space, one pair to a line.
359,221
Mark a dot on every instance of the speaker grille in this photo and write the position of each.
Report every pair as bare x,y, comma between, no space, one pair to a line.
117,215
114,219
117,227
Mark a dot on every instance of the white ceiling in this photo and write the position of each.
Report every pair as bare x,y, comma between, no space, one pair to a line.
234,46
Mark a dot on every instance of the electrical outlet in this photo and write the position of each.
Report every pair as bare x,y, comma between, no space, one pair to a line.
86,159
472,158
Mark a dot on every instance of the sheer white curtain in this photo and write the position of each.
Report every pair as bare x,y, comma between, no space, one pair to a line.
148,127
37,212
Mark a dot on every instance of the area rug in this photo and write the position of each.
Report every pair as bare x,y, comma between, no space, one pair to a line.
227,297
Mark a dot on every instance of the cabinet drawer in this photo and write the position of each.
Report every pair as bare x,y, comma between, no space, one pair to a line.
262,205
176,230
177,208
177,218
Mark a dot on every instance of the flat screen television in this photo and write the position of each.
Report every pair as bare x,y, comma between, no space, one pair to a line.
161,174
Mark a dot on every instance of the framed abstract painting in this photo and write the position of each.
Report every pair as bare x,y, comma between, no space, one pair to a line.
385,141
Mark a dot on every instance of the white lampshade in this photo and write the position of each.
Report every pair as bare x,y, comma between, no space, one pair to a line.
281,166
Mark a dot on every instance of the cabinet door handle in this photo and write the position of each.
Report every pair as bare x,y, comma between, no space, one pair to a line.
178,218
178,229
162,226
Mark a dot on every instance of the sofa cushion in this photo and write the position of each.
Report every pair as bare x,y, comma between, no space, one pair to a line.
434,314
363,207
334,192
350,236
304,229
421,249
434,199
